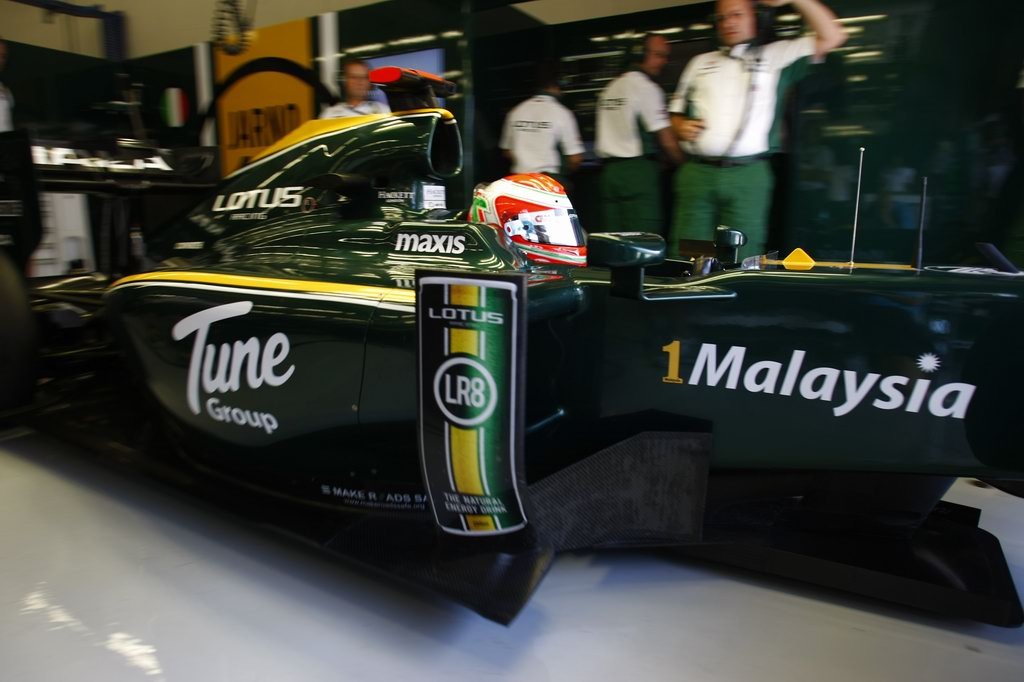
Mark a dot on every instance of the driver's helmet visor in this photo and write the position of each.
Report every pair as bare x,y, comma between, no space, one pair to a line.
555,226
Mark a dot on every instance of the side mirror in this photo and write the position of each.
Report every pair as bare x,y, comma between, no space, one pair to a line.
627,254
348,186
354,192
727,244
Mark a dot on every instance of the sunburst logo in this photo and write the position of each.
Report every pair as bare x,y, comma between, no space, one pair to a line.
928,362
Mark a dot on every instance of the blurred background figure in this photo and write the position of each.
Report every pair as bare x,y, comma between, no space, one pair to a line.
900,196
6,98
723,111
540,135
354,85
1014,240
816,166
994,162
632,126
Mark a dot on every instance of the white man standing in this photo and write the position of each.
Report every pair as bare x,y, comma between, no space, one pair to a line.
723,111
354,85
540,131
632,125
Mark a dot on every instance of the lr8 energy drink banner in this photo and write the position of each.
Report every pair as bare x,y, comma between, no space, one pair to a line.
471,354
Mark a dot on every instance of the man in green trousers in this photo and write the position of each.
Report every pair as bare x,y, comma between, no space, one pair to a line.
632,125
722,112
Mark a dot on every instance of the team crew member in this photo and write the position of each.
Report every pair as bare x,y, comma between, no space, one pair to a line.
355,93
540,131
632,125
723,110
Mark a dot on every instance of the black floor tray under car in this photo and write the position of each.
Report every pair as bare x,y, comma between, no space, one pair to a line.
948,566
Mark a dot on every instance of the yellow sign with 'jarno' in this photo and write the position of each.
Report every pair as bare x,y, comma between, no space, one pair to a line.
263,106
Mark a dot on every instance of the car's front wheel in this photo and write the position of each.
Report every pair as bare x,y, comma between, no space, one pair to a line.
17,339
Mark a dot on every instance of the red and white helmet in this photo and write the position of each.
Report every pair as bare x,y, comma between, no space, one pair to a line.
533,210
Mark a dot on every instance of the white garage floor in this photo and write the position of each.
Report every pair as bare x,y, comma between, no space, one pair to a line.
106,577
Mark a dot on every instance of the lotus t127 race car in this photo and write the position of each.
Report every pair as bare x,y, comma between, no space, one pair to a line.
453,396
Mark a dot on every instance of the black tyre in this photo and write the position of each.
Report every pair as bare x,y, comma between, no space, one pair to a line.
1015,488
17,339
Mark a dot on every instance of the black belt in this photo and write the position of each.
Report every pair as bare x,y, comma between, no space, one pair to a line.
728,162
613,159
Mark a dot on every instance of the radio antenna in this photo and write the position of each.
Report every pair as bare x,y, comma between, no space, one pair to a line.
856,207
918,262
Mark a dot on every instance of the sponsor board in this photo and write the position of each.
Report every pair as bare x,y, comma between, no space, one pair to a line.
265,198
217,370
260,102
379,496
844,390
63,157
396,196
259,127
434,196
471,344
426,242
419,196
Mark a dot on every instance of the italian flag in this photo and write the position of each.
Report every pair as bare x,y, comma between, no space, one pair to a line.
174,107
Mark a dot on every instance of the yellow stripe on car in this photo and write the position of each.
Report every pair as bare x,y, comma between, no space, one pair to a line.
320,127
799,260
392,294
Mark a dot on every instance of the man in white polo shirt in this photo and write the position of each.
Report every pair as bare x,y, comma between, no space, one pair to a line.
723,111
632,125
354,85
540,131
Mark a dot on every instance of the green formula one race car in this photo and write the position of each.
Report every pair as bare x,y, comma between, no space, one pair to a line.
454,397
